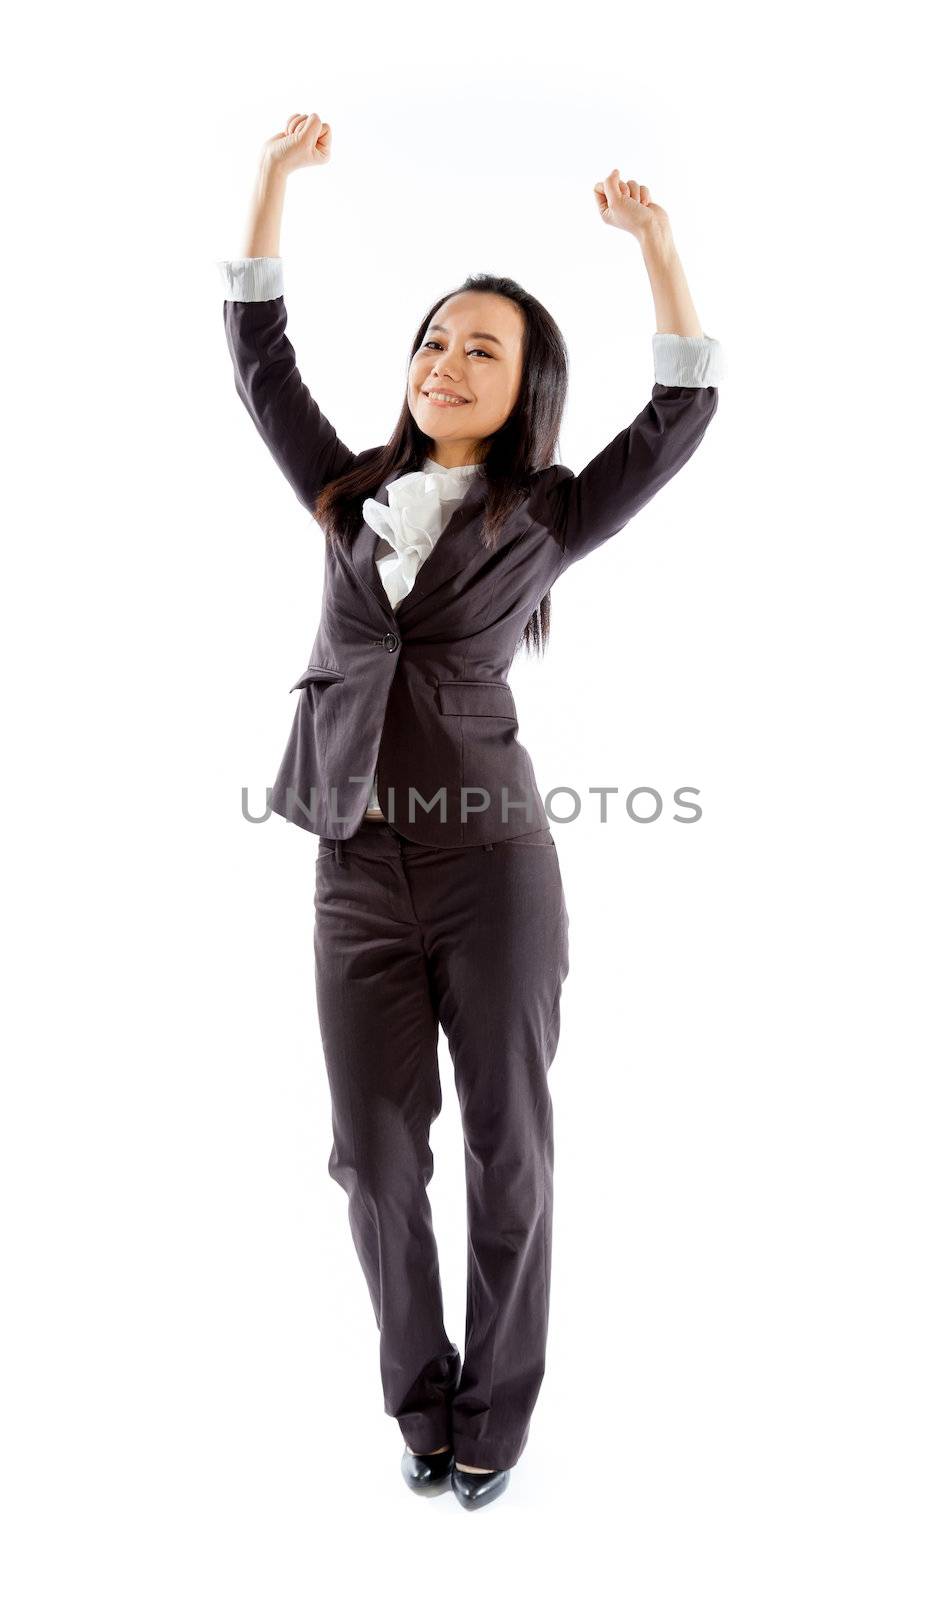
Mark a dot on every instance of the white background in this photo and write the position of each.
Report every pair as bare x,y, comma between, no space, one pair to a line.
739,1396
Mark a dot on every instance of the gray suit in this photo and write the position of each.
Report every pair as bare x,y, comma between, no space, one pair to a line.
421,695
433,917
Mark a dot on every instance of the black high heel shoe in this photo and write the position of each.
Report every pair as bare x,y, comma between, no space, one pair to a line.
474,1489
428,1474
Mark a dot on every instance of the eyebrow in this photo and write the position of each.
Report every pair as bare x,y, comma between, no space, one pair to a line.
436,327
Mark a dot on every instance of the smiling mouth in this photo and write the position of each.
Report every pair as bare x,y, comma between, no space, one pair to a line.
443,400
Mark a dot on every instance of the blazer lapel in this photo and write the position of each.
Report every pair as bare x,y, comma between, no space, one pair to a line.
364,555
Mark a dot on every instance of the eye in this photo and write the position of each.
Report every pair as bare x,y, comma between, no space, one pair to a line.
477,351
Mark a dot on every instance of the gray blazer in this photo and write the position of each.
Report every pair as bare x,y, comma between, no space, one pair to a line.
420,695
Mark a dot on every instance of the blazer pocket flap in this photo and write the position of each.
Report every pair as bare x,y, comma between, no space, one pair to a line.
467,698
318,675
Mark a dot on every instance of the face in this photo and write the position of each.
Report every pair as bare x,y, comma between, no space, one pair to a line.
472,347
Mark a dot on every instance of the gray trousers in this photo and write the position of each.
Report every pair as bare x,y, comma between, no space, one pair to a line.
474,937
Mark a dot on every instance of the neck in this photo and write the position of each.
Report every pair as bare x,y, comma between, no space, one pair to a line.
453,455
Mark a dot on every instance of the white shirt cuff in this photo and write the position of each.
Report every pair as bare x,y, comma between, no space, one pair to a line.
687,361
252,277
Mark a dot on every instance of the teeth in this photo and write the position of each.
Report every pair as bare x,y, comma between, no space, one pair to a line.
445,399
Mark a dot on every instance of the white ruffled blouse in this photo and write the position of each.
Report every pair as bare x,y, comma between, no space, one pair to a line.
413,522
420,504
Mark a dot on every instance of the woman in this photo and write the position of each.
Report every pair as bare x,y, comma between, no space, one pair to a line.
441,549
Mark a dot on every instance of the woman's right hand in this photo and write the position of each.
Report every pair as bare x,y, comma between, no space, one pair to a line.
304,142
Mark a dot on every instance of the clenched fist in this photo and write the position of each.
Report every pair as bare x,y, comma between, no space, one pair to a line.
628,206
304,142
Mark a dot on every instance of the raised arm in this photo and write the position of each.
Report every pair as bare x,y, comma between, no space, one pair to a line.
590,507
300,438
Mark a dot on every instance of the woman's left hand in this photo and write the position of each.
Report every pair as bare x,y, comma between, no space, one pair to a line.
627,205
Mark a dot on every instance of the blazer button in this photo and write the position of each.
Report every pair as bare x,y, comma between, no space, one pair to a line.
390,641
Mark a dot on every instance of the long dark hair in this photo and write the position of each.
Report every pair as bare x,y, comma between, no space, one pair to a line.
525,443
